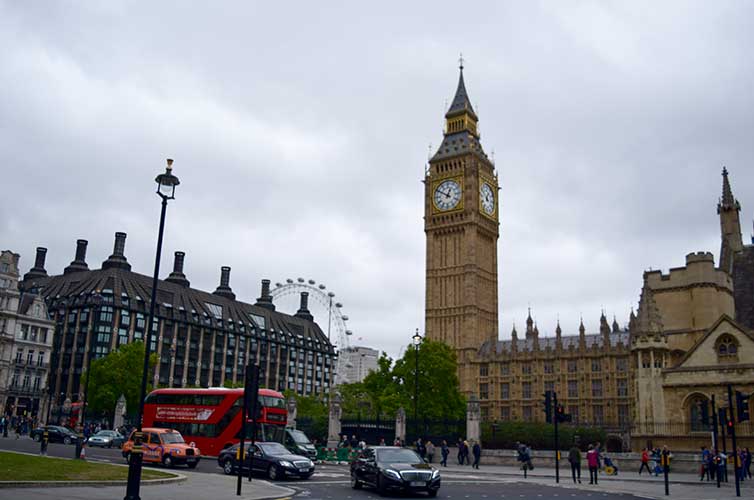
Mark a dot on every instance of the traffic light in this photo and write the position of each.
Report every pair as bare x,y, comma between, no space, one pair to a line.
562,416
742,406
548,406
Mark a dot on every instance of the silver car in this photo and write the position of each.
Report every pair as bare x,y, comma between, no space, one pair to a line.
106,439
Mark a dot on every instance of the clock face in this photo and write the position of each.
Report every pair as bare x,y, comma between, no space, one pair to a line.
487,197
447,195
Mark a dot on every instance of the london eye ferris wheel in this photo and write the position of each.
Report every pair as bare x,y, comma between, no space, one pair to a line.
336,328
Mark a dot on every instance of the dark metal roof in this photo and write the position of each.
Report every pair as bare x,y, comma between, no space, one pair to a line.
459,143
130,290
461,100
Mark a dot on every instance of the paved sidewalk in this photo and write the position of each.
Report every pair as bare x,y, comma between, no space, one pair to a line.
198,486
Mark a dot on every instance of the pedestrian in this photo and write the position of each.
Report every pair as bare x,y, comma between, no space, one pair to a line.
574,458
397,441
382,441
477,451
705,464
645,461
354,442
721,459
3,428
592,460
747,462
444,451
420,448
738,466
460,451
430,451
666,455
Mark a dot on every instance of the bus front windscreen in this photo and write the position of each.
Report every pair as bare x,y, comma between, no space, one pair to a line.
272,402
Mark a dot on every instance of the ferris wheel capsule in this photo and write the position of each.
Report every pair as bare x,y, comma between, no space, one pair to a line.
300,280
322,287
312,282
345,318
338,305
289,281
349,332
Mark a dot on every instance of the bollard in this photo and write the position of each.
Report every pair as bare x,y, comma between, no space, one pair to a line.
44,442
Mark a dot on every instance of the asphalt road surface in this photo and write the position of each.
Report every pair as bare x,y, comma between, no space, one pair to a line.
332,482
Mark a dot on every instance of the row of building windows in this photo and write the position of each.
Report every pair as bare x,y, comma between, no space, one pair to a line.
621,365
621,389
596,416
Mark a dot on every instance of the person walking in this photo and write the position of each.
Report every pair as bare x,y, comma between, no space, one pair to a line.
593,461
574,458
645,462
460,451
747,462
466,452
705,465
444,451
430,451
477,451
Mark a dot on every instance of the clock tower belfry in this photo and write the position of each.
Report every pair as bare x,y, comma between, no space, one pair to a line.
461,225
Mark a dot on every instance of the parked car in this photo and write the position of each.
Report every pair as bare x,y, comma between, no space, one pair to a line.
165,446
298,443
106,439
390,468
55,433
271,459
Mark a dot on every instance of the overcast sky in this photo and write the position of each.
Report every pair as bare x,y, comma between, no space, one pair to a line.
300,133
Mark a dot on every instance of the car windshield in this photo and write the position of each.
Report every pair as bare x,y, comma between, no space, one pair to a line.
105,434
300,437
398,455
273,449
172,438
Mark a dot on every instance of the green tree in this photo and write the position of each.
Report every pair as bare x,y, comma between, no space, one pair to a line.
439,395
118,373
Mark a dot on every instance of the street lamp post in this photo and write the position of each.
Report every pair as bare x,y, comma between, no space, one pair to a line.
166,184
417,341
96,302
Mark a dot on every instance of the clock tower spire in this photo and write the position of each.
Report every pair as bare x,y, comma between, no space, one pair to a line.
462,229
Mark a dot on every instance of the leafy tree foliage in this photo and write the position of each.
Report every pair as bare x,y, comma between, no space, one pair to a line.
118,373
391,386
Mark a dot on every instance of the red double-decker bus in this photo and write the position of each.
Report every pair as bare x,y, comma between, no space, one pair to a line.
211,418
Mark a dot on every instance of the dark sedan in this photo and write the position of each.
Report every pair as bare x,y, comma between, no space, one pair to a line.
271,459
389,468
55,433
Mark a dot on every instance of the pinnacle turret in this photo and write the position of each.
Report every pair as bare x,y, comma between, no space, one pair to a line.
648,322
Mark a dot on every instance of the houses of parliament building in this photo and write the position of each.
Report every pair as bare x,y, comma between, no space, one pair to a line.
691,334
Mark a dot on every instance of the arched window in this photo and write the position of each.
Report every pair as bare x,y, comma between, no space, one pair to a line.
699,413
727,349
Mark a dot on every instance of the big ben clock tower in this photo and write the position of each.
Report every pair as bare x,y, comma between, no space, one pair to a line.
461,223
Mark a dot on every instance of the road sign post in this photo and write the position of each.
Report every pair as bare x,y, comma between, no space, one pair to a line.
732,428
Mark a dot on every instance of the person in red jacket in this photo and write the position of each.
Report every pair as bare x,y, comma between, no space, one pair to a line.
593,461
645,461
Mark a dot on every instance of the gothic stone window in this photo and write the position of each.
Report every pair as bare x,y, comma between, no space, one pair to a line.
622,384
526,390
526,368
505,369
621,364
484,392
596,388
596,365
505,390
483,370
549,367
505,413
573,388
727,349
699,413
572,366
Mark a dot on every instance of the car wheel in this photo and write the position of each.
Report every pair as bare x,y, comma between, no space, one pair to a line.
432,493
167,461
37,438
110,444
381,490
67,440
273,472
192,465
228,466
355,483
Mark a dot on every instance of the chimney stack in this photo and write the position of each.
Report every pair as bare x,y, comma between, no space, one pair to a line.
177,275
224,289
118,258
79,263
303,311
38,271
266,299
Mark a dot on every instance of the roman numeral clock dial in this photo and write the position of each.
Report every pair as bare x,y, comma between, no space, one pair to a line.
487,199
447,195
